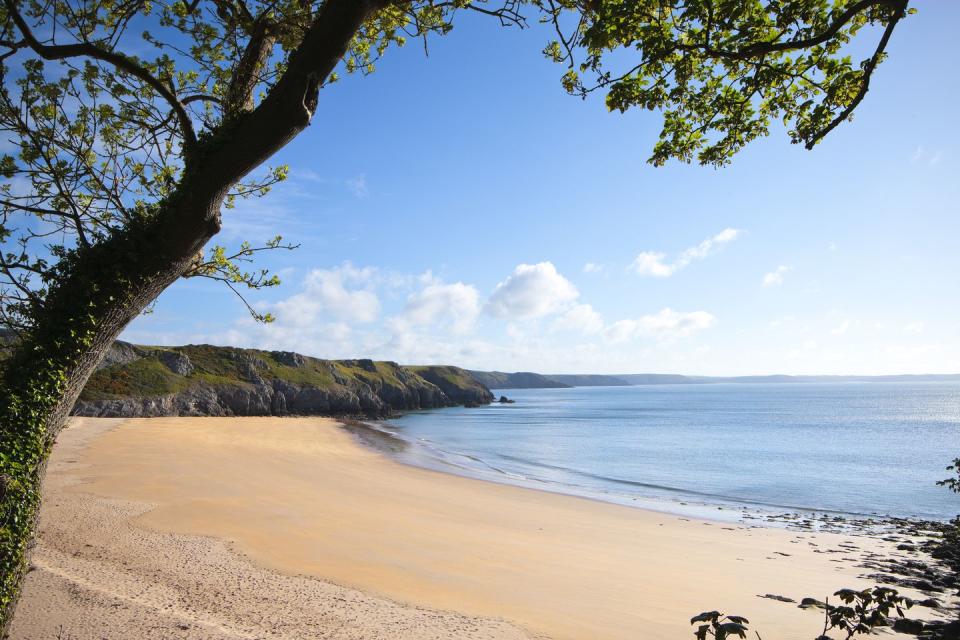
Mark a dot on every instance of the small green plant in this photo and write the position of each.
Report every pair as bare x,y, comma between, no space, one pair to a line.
952,483
861,613
718,626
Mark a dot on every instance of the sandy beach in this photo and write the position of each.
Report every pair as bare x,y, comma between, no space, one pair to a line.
288,528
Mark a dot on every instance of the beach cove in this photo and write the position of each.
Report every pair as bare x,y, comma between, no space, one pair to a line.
288,528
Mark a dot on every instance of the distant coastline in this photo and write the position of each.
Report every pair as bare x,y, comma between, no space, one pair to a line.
529,380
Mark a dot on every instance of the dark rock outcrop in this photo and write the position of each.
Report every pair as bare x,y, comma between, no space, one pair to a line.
289,358
811,603
177,362
908,625
120,353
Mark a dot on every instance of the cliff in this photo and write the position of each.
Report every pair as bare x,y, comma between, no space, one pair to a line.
204,380
519,380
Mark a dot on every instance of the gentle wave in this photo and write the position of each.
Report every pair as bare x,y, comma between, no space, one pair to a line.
444,457
858,449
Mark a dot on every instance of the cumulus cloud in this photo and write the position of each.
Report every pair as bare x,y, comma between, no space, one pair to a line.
592,267
654,263
343,293
775,277
582,318
663,325
348,311
532,291
455,305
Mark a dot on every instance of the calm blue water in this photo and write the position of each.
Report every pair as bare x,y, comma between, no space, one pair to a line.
854,448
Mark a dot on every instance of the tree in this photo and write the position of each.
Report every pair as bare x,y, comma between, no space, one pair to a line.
120,163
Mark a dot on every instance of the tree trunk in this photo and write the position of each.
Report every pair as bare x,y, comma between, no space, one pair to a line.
100,291
96,292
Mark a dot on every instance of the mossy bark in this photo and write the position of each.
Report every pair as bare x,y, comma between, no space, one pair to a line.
98,293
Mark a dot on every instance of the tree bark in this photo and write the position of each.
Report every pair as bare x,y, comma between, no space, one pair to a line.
106,287
98,290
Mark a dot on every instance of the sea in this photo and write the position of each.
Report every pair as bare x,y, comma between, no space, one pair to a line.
860,450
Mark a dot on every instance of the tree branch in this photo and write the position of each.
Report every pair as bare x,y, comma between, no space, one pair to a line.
120,61
13,280
865,83
509,14
829,32
201,97
290,103
239,96
763,48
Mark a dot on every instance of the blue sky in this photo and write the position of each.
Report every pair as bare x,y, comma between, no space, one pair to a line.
448,207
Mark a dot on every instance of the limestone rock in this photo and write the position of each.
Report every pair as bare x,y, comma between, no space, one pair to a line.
177,362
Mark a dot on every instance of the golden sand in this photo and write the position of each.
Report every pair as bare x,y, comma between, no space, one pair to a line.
300,498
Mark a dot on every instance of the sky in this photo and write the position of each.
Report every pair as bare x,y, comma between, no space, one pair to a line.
460,208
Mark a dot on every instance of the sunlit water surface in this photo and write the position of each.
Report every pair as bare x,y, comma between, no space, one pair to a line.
850,448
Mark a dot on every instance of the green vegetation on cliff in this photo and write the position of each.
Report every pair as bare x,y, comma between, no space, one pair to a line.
211,380
518,380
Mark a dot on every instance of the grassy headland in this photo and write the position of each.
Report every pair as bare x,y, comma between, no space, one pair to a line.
210,380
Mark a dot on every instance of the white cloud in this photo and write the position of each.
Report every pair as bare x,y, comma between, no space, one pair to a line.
804,350
592,267
841,328
775,277
663,325
358,186
516,333
914,328
532,291
704,249
454,305
653,263
309,175
923,156
582,317
343,293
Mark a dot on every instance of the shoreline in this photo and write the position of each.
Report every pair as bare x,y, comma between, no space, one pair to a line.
837,451
374,435
304,501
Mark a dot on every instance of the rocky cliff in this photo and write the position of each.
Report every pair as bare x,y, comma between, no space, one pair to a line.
203,380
